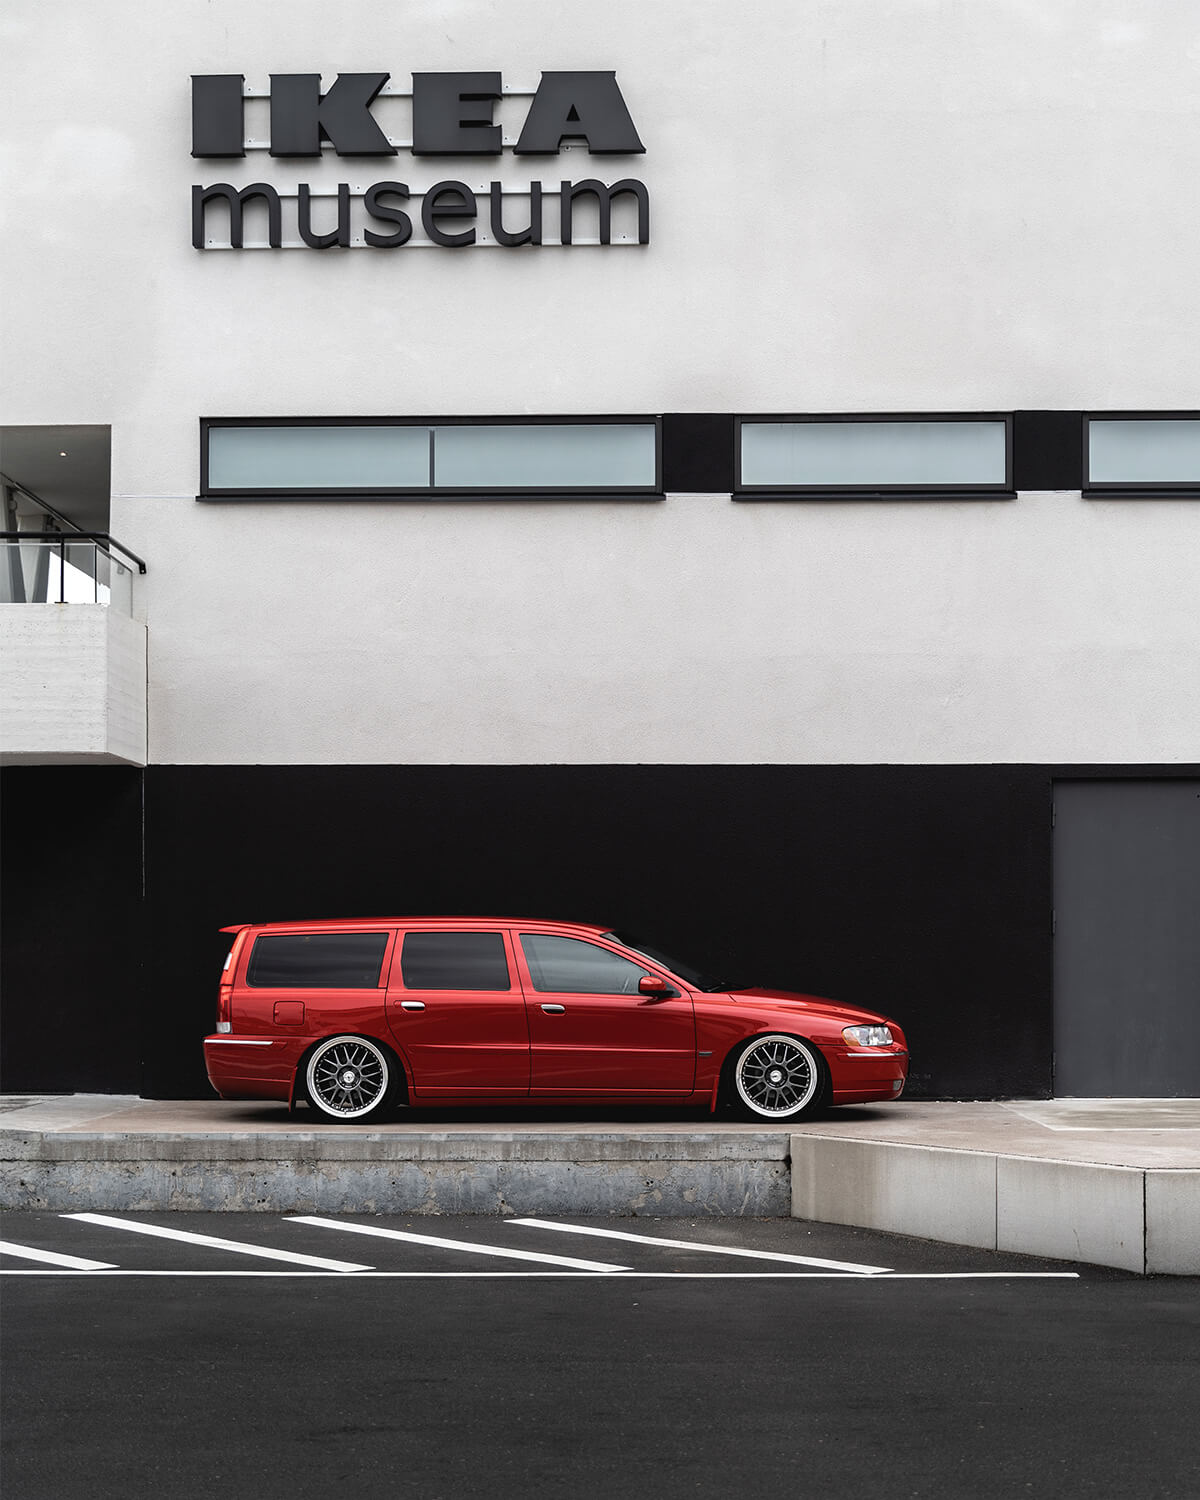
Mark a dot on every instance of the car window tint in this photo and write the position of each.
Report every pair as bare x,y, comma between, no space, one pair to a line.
318,960
568,965
454,961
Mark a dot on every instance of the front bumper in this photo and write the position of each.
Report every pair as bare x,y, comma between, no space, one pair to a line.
862,1074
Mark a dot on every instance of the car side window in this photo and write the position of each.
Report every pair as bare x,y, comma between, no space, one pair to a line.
317,961
454,961
562,965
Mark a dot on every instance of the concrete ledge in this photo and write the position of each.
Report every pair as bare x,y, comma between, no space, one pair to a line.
441,1146
505,1172
1141,1220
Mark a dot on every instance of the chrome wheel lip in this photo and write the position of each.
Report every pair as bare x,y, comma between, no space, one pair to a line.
326,1077
774,1098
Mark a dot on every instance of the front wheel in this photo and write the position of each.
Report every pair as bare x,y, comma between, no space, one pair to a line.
348,1078
777,1077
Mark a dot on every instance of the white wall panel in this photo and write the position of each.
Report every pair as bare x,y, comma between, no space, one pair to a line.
695,629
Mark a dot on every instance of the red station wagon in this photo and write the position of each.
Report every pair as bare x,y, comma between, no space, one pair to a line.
357,1016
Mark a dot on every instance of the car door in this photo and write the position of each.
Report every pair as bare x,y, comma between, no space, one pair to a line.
456,1011
590,1029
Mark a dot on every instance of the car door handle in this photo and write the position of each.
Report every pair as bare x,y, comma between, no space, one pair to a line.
412,1005
554,1010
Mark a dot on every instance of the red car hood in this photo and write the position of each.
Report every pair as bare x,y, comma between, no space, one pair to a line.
787,1000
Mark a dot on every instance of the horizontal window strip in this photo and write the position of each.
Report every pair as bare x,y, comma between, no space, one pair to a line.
855,454
1143,452
786,457
429,458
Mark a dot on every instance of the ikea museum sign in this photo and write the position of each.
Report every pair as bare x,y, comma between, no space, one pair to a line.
453,115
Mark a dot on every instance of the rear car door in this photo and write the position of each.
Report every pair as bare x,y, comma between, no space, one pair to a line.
590,1029
456,1011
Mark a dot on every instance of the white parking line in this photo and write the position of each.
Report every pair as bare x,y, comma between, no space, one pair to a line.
503,1251
775,1276
53,1258
849,1267
237,1247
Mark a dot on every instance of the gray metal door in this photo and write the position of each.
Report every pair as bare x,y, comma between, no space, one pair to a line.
1127,939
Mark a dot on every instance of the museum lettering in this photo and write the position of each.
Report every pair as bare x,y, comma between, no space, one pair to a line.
452,115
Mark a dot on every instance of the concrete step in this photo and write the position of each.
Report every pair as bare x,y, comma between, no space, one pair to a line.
1145,1220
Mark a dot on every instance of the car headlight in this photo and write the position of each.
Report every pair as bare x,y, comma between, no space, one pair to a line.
868,1036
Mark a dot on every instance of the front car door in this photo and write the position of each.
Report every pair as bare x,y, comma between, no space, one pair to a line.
591,1031
457,1012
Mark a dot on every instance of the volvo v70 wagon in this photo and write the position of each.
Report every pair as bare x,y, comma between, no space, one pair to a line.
358,1016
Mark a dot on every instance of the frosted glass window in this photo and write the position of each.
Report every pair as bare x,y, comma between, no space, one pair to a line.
832,455
318,458
601,455
1145,451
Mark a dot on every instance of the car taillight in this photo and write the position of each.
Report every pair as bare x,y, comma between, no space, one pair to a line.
225,1009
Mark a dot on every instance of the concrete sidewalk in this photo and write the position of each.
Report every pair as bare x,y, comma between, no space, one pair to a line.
1112,1182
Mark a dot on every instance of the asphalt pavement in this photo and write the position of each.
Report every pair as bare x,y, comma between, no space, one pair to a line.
302,1355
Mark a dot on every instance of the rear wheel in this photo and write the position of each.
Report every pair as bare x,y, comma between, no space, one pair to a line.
777,1077
349,1078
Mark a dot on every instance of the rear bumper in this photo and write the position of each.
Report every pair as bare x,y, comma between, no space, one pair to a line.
250,1067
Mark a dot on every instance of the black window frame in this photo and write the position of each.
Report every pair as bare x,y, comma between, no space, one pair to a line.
1124,489
439,492
1004,491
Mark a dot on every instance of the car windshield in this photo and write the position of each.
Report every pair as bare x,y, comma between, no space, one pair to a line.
698,981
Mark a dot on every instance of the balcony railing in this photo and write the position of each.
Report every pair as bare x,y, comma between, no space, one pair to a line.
80,567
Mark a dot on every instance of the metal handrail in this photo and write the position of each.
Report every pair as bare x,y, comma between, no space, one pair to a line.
65,538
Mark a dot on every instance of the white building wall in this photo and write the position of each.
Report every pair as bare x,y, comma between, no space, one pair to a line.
854,208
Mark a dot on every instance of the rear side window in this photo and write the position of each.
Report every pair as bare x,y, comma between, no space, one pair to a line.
318,961
454,961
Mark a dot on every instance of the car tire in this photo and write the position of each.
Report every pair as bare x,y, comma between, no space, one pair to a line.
350,1078
776,1077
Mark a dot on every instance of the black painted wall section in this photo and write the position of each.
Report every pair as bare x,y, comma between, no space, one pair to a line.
923,892
72,951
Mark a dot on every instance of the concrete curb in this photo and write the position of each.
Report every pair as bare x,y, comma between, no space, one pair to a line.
438,1173
1141,1220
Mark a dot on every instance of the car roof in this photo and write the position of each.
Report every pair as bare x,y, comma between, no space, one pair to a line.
343,924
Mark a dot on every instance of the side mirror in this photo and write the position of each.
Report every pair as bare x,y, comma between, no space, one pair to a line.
656,988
